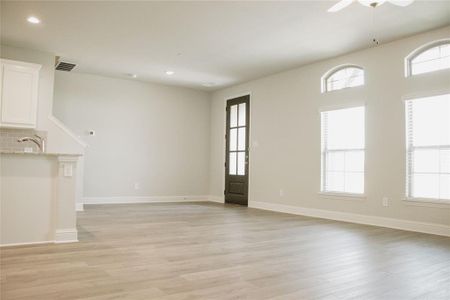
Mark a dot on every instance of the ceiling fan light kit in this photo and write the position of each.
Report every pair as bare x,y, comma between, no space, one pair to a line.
369,3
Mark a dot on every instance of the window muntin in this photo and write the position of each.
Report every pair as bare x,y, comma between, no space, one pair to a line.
237,134
344,77
428,147
431,59
343,150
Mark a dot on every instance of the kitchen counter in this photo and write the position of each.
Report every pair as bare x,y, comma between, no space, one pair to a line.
38,153
38,197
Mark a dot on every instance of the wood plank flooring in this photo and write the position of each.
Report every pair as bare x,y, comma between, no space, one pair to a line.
211,251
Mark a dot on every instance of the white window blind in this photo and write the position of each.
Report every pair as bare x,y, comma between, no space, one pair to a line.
343,150
428,147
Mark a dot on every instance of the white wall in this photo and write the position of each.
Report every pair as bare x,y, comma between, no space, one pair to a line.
285,122
151,134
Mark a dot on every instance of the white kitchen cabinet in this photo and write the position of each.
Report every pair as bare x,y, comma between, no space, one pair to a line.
19,83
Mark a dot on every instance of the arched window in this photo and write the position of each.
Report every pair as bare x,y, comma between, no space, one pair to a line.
342,77
429,58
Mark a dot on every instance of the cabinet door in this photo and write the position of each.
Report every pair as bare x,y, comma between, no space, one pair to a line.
19,94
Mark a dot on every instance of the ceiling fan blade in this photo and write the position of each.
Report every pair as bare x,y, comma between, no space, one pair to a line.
401,2
340,5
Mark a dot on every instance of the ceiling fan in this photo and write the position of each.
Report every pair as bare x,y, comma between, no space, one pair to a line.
373,3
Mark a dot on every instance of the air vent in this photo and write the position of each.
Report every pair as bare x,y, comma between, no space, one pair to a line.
64,66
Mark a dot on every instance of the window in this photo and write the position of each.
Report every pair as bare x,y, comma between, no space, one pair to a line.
237,140
343,77
428,147
429,59
343,143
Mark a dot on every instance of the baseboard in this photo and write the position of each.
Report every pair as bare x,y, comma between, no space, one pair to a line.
79,207
26,244
147,199
61,236
423,227
217,199
66,236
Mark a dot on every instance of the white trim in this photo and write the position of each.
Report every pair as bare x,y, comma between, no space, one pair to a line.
423,227
61,236
237,96
26,244
79,206
440,203
342,195
143,199
66,130
68,158
66,236
216,199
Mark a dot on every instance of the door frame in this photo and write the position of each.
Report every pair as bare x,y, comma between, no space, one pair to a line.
224,153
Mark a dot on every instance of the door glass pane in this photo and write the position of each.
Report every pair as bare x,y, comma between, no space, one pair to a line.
241,139
241,163
232,163
242,114
233,115
233,139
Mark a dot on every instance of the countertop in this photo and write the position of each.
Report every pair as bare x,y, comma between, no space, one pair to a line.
38,153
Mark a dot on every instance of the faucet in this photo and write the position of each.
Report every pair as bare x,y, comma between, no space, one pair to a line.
39,141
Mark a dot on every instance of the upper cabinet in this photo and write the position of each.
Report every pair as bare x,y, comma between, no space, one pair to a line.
19,82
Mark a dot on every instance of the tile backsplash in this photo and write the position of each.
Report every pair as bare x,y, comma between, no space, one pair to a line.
9,137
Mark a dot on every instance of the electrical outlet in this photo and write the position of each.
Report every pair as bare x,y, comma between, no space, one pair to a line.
385,201
137,185
281,193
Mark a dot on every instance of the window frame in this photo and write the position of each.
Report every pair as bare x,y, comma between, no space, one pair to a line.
331,72
323,153
408,165
409,59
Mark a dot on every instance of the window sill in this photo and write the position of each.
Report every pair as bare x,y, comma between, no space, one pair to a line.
428,202
338,195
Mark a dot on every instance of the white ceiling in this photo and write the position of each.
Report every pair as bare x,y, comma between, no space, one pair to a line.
222,43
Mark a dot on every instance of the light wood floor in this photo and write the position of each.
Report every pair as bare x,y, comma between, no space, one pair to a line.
211,251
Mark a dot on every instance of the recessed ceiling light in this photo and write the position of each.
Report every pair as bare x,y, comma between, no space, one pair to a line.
208,84
170,73
33,20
